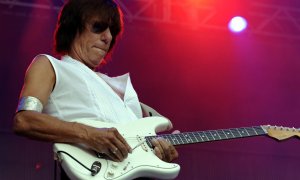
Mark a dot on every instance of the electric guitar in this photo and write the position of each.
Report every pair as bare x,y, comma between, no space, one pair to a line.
142,162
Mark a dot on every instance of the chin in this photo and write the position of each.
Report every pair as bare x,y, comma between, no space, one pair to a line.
97,62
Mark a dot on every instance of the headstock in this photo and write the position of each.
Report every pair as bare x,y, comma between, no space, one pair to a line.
281,133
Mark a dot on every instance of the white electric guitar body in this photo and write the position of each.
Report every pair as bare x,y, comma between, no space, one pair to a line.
142,162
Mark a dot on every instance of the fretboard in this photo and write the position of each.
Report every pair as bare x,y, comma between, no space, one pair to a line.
211,135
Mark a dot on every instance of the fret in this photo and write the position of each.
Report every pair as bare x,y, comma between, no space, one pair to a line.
174,138
148,140
209,136
198,137
222,134
166,137
238,130
250,131
235,133
193,138
228,134
187,137
254,131
215,134
179,138
170,138
244,132
203,136
183,140
259,130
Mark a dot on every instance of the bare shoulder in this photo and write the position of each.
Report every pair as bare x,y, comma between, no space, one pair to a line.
40,61
40,66
39,79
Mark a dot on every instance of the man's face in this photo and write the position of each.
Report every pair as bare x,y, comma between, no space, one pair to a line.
91,46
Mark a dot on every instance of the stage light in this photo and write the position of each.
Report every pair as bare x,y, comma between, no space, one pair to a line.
237,24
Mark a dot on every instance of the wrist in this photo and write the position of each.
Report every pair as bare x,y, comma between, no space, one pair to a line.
82,132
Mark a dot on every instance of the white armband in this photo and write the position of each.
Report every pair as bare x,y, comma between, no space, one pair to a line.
30,103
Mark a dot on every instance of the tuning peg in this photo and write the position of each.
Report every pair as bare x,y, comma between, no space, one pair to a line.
281,127
294,129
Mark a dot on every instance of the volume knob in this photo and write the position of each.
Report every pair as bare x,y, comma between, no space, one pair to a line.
114,165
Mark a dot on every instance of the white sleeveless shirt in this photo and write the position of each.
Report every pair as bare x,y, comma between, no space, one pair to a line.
81,93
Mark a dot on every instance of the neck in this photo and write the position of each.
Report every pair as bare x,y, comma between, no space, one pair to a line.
76,57
212,135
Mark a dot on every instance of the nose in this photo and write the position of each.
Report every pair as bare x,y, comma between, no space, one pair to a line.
106,36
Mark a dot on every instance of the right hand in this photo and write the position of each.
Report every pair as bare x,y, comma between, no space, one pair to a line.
109,141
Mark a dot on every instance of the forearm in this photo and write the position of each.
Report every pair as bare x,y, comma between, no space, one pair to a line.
47,128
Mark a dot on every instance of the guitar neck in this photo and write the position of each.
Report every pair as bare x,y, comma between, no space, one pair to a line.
211,135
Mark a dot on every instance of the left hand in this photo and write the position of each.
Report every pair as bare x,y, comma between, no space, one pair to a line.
164,150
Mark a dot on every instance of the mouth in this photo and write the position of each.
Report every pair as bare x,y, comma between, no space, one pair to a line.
101,49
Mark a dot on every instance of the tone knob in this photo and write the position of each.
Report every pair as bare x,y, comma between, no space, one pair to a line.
110,173
114,165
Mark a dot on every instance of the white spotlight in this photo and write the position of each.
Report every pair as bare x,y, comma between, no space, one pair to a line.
237,24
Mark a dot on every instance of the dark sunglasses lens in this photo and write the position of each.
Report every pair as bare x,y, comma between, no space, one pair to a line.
99,27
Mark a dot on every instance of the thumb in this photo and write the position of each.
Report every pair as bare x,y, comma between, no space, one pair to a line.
176,132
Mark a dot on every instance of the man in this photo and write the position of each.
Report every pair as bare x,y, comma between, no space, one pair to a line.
57,92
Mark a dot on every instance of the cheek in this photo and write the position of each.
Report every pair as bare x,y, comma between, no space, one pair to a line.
88,47
86,42
90,43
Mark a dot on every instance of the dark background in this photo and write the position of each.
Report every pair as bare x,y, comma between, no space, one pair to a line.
186,64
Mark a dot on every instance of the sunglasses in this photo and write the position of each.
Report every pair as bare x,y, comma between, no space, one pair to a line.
98,27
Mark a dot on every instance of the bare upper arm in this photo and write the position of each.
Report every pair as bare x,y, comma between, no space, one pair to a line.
39,79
